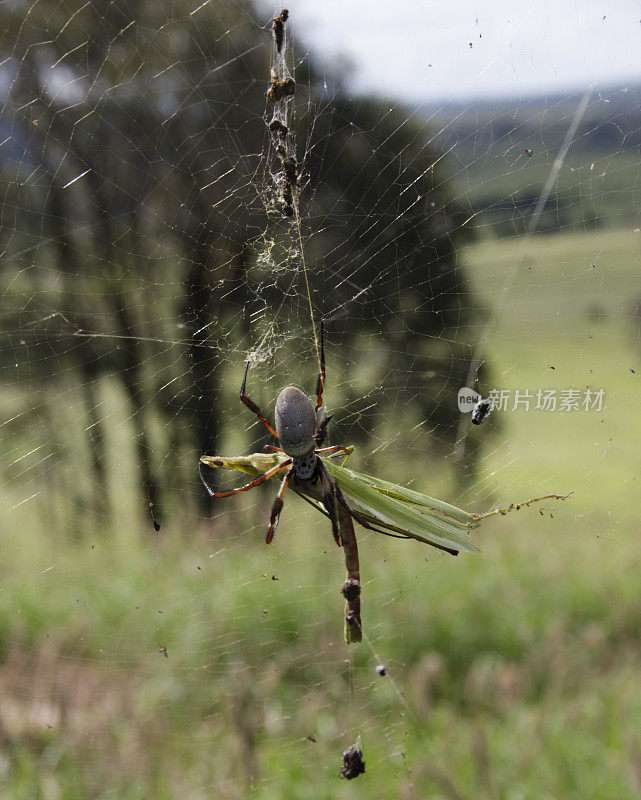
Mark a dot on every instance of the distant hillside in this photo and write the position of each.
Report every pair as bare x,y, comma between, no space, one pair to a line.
503,152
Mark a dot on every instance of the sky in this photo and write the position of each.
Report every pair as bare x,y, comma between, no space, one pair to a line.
438,50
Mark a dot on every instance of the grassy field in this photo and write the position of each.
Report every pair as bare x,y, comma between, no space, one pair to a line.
512,674
502,152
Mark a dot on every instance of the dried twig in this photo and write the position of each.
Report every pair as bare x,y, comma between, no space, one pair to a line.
518,506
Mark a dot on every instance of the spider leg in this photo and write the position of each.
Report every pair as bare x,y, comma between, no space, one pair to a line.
252,406
321,429
278,506
320,384
273,449
256,482
335,449
329,501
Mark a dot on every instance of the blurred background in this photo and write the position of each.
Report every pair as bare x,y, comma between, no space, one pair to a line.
469,216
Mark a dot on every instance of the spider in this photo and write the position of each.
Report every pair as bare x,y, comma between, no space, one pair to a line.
301,430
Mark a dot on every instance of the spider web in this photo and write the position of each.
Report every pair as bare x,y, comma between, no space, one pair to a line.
153,243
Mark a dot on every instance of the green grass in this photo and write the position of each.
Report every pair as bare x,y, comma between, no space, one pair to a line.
512,674
547,336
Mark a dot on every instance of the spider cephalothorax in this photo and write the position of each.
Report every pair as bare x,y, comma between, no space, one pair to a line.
301,430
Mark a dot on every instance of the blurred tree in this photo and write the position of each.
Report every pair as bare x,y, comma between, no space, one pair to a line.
132,173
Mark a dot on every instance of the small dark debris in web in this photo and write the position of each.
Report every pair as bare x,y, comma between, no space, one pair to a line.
279,29
275,577
311,738
528,152
278,127
381,670
353,764
290,165
163,651
280,88
481,411
288,200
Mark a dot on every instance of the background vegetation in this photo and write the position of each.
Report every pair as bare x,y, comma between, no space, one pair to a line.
502,151
196,661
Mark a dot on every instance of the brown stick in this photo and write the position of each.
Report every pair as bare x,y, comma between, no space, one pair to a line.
352,587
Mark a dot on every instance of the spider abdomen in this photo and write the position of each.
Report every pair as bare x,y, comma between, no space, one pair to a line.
295,423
